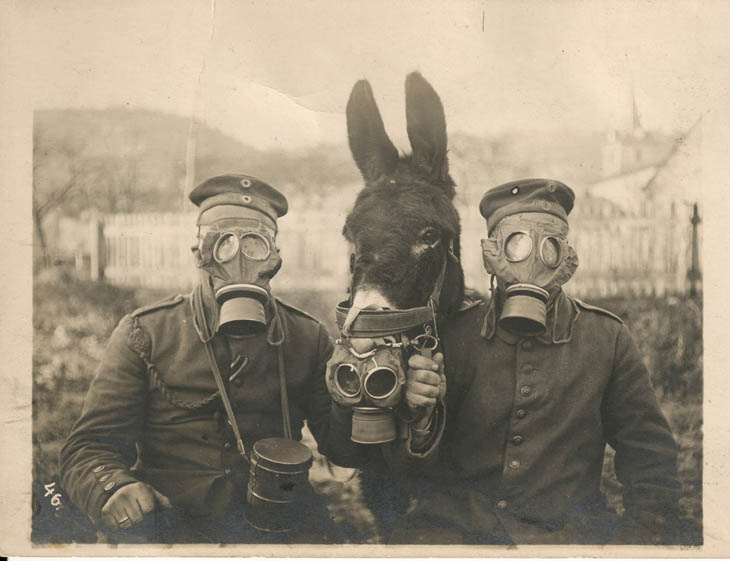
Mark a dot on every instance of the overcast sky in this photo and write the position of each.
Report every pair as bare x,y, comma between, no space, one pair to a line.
279,74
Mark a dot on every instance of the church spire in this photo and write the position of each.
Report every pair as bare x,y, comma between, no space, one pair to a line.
636,128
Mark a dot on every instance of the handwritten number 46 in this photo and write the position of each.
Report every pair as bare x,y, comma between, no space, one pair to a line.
55,497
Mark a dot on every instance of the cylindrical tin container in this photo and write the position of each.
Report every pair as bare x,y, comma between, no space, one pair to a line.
278,483
373,425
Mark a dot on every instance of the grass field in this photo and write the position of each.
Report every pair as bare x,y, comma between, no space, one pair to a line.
72,319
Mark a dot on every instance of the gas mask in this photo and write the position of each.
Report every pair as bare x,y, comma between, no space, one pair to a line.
529,253
372,381
239,257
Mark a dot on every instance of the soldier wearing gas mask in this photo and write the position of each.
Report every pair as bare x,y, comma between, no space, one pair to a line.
538,384
190,430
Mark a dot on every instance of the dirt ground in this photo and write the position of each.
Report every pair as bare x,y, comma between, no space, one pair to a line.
72,319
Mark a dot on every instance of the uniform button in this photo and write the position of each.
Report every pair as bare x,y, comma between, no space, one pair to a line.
517,440
97,469
527,369
514,464
501,505
521,413
527,344
109,486
227,446
228,471
525,390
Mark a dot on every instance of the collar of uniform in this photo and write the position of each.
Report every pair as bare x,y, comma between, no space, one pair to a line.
561,316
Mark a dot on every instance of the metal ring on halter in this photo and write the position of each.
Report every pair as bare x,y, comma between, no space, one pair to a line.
425,342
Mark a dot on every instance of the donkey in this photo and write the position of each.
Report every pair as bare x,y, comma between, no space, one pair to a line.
403,231
403,227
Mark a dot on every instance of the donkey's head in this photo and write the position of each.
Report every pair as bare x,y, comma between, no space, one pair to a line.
403,230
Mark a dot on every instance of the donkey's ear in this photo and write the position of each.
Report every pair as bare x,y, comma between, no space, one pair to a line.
426,128
373,151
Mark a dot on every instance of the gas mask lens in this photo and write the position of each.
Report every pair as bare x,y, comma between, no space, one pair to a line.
347,380
225,248
550,252
381,382
518,246
255,246
252,245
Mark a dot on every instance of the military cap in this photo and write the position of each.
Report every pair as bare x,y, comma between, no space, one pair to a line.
526,195
239,190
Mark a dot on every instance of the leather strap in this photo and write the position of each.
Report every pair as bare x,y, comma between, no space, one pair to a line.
377,323
206,337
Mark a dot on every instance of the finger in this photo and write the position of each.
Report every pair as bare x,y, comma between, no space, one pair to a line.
113,513
416,400
424,377
439,357
133,511
145,500
123,519
161,499
418,362
425,390
108,518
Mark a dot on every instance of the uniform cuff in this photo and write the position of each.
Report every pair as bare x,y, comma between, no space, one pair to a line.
108,480
422,443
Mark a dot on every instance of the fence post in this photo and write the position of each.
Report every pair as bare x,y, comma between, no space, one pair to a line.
96,248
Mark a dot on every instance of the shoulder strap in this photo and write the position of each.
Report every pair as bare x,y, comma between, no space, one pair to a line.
166,303
596,309
279,344
206,338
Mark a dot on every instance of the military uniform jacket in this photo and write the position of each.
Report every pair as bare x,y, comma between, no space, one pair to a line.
152,412
528,419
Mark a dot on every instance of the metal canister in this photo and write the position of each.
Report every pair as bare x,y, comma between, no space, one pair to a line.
278,483
373,425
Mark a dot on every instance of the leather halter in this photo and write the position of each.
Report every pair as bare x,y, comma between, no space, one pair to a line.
357,322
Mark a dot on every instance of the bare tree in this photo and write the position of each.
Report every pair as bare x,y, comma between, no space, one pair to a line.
57,169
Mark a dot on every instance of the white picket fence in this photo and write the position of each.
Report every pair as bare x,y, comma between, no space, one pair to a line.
639,254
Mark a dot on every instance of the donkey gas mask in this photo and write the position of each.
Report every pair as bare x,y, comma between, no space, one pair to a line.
529,254
372,379
372,382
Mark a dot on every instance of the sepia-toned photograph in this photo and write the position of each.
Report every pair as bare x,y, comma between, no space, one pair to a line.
366,274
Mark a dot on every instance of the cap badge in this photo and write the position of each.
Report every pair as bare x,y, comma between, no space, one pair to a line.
515,190
245,183
246,199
